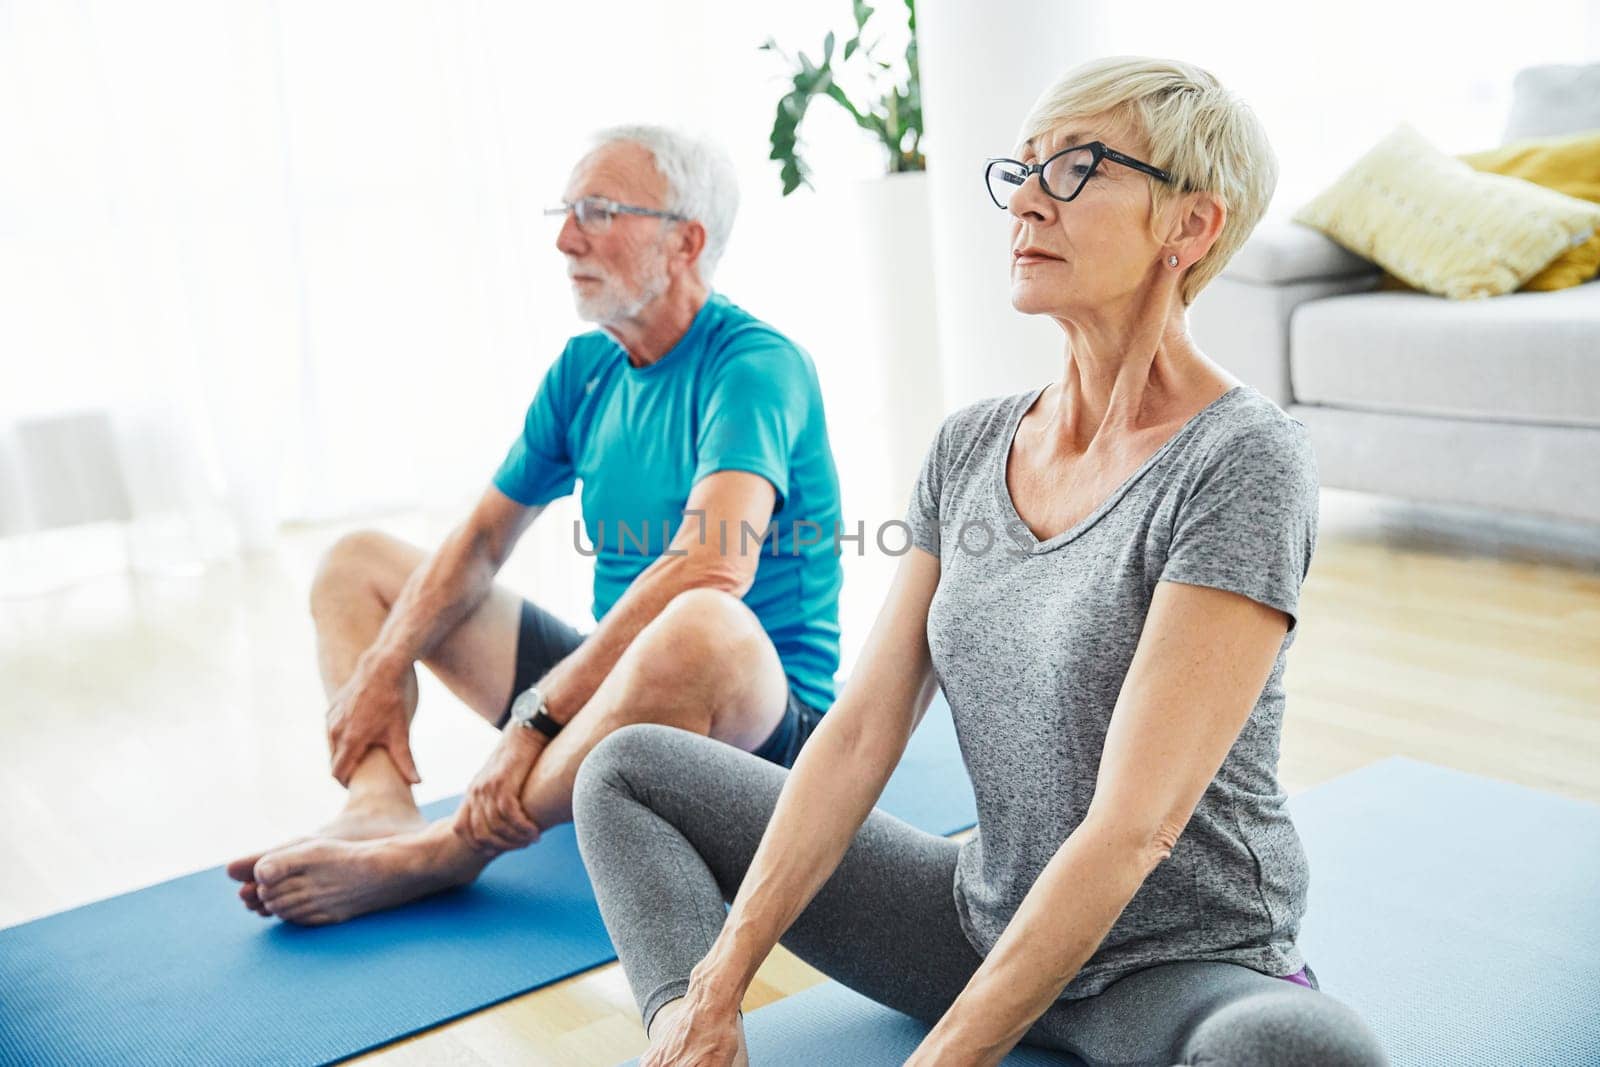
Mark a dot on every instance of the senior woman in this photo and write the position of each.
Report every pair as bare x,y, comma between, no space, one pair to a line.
1104,582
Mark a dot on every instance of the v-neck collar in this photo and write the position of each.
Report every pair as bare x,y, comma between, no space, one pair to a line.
1018,527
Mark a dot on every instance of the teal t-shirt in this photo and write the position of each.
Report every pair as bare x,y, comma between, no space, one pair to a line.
733,394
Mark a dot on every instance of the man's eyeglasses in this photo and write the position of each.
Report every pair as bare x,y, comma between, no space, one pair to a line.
596,212
1062,176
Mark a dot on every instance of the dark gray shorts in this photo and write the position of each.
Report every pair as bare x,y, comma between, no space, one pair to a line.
543,640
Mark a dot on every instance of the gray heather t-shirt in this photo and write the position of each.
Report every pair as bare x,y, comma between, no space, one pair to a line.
1031,642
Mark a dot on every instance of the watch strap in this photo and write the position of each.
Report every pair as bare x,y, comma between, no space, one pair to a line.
528,711
542,722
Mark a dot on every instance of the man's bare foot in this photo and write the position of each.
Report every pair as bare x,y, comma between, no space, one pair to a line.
327,880
359,821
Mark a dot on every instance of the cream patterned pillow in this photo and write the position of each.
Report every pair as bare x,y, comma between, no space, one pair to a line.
1437,224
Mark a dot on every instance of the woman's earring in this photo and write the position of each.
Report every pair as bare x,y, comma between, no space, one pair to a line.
1172,261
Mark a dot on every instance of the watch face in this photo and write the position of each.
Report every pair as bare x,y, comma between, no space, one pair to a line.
527,705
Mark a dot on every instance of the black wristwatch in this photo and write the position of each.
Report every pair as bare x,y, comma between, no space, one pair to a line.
527,712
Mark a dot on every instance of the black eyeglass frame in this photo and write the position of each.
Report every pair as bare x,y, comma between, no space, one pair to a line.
1098,149
611,208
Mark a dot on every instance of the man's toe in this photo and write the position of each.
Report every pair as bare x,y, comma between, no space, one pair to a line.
272,893
243,870
276,868
297,908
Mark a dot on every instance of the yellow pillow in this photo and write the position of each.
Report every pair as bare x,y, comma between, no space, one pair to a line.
1569,165
1437,224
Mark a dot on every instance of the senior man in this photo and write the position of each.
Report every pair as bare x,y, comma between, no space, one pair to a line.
682,414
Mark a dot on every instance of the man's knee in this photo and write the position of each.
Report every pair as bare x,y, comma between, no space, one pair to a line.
1290,1027
708,616
355,560
697,628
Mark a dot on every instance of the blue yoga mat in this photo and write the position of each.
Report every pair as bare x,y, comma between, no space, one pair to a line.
181,973
1457,914
831,1024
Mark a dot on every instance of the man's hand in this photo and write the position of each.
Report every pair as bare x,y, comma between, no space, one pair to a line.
370,711
491,818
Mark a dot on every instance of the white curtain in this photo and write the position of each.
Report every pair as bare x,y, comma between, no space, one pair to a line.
266,261
146,295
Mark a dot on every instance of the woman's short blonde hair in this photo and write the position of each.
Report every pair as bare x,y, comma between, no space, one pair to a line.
1193,128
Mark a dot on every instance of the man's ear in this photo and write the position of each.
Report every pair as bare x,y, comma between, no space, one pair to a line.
691,242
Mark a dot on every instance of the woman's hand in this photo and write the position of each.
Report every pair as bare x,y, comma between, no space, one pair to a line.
929,1056
698,1032
937,1053
948,1045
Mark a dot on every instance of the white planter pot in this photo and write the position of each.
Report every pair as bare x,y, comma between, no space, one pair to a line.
901,337
981,72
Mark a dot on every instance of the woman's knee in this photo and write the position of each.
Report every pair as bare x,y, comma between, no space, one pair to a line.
1291,1027
606,768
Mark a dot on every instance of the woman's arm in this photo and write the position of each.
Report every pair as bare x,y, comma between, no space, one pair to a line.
839,775
1203,657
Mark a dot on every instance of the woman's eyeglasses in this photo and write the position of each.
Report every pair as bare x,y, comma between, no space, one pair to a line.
1062,176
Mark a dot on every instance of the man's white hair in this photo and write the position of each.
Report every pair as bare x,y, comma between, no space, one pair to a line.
701,183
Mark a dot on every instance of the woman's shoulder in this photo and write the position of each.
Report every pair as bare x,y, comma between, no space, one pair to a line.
966,436
982,418
1246,420
1247,442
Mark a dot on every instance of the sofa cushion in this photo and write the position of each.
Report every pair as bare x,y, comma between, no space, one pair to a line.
1279,252
1552,100
1523,357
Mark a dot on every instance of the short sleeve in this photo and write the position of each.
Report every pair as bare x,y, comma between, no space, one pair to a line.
922,513
538,467
1249,526
753,414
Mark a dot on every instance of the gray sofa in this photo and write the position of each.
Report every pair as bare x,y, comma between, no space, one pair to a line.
1493,403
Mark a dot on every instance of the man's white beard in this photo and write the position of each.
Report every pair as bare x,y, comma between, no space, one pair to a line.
612,304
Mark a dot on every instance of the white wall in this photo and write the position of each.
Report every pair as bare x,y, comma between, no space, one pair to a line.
1327,80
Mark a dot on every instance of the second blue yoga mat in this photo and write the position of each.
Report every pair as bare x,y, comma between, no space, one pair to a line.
1457,914
181,973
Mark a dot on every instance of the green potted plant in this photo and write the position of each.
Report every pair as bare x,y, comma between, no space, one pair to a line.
891,110
880,227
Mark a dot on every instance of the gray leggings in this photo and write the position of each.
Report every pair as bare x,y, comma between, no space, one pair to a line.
668,823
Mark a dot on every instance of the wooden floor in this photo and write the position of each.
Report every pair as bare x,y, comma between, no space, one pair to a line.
154,726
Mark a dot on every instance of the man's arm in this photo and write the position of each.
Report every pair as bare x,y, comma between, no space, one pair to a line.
696,559
438,595
1203,658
